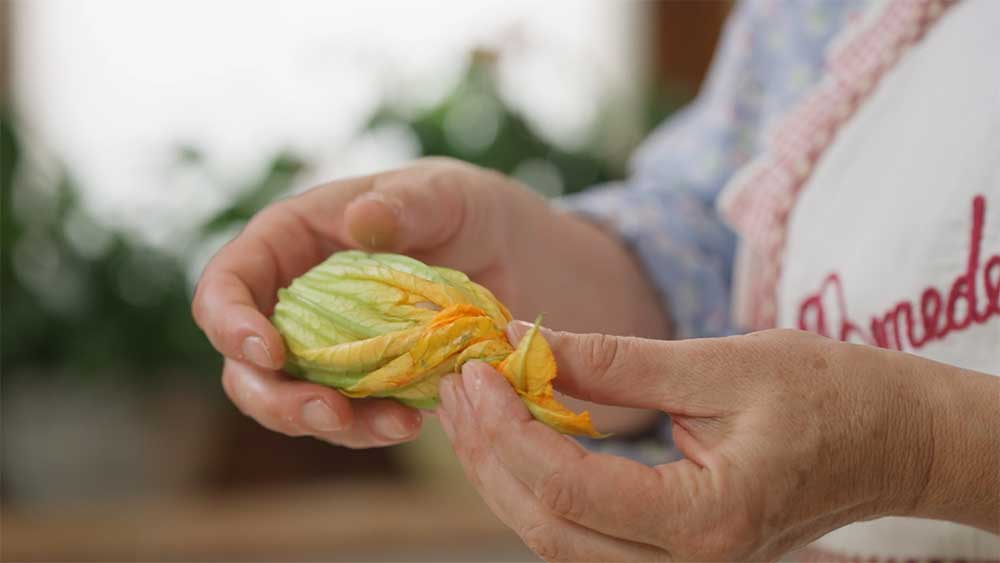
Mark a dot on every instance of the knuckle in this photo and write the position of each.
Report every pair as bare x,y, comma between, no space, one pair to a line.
268,215
558,495
445,182
729,350
541,539
786,351
788,333
780,337
261,407
599,352
771,333
265,411
443,179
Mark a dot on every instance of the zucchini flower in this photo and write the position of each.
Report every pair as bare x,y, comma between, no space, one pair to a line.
385,325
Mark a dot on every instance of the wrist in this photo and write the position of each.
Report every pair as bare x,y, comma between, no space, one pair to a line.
908,431
877,447
962,475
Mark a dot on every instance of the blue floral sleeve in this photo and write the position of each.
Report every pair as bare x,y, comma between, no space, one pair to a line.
771,51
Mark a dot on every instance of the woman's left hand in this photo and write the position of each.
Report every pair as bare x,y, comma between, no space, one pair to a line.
786,436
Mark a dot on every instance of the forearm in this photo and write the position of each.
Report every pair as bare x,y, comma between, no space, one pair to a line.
584,279
963,478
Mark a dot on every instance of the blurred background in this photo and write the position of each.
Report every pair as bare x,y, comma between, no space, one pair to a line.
136,137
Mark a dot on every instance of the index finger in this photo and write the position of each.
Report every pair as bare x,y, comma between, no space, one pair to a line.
239,286
612,495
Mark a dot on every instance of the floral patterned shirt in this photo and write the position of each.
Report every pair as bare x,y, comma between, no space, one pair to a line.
771,52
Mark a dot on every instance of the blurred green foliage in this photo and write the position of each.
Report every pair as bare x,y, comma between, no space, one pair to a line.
121,307
114,308
475,124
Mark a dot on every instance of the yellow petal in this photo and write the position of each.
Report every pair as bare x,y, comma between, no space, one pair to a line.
452,330
531,367
550,412
360,355
394,375
491,351
477,295
439,294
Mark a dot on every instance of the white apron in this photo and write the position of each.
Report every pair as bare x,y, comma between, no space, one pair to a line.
874,217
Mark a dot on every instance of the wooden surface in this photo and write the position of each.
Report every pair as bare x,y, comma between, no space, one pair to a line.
373,521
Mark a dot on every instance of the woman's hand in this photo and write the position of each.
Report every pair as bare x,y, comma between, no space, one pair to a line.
440,211
786,436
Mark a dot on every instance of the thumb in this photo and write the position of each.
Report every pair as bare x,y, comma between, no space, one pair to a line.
436,210
669,376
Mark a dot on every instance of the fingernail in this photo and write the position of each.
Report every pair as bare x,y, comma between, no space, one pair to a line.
256,352
392,203
391,427
319,417
379,228
472,380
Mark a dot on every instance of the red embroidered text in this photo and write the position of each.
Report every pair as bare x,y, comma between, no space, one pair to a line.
914,323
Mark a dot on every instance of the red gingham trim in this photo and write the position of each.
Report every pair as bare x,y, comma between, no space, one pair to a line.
758,200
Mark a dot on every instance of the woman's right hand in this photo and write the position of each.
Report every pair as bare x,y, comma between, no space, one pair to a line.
440,211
